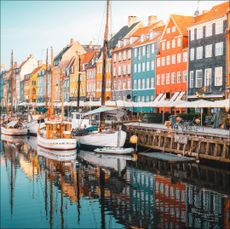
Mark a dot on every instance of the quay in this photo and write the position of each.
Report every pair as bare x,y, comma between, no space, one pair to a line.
209,144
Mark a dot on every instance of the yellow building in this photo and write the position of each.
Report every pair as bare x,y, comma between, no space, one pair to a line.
33,84
99,78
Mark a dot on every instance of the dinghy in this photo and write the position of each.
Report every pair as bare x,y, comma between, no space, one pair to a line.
114,150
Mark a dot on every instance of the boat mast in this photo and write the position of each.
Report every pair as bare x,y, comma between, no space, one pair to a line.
62,93
51,84
105,50
46,102
11,80
79,81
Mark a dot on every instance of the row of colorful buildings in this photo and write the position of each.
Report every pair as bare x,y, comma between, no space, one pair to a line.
186,57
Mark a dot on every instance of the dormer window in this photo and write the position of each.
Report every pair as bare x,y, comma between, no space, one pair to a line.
142,38
151,35
131,40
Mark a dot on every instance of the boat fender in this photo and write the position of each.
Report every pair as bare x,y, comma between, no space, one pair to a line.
78,145
133,139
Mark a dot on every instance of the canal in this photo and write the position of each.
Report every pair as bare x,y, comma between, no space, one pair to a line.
40,190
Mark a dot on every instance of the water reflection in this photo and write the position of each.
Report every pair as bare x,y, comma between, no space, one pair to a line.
42,190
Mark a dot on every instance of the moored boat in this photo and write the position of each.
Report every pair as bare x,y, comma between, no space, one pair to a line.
14,128
114,150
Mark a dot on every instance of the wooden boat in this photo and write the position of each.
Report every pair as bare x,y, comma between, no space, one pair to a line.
56,134
114,150
14,128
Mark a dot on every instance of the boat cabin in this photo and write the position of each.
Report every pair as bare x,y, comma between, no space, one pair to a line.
59,129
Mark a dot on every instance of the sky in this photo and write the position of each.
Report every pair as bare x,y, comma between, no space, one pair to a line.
29,27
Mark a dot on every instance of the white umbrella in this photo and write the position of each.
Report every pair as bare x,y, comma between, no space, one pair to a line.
222,103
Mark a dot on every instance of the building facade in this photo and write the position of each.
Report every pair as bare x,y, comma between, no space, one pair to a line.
207,54
171,62
143,62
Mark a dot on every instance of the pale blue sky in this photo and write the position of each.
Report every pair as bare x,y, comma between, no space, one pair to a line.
32,26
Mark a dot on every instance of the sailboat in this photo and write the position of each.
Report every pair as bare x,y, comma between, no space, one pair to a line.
13,126
56,133
103,138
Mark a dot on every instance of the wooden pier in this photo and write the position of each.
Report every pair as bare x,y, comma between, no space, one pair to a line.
199,145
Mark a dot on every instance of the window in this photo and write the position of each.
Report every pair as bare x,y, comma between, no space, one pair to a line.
139,84
135,84
192,54
143,83
168,44
199,33
218,76
168,60
153,48
119,70
148,50
178,41
152,83
152,65
162,79
129,69
129,53
139,53
135,52
143,67
219,27
139,67
207,77
143,51
163,45
114,71
191,79
185,74
173,29
208,51
178,77
191,34
124,55
124,69
173,59
199,78
158,62
199,52
147,83
168,30
128,84
135,67
115,57
178,58
185,56
147,66
158,80
219,49
208,31
119,56
173,43
173,77
167,78
163,61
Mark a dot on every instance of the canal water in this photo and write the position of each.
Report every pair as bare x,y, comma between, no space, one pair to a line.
42,190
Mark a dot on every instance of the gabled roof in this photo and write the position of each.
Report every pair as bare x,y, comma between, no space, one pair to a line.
86,58
61,53
38,69
216,12
138,43
183,22
146,29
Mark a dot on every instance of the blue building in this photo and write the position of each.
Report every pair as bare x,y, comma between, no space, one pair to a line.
42,85
144,51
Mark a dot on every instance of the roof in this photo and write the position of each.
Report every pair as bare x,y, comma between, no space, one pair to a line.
86,58
38,69
216,11
147,40
146,29
60,54
183,22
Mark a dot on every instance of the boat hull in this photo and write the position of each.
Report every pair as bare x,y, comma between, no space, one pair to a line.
14,131
56,144
33,127
98,140
115,150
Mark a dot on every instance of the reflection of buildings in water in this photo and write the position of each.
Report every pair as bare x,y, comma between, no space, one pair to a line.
204,208
170,203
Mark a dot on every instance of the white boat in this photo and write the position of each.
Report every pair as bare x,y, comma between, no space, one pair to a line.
97,139
114,150
14,128
33,126
78,122
52,138
67,155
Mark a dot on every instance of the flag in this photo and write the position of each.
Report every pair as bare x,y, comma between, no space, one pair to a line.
63,77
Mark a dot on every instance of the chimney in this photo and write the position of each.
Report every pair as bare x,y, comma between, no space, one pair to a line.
31,55
90,45
39,63
152,19
131,20
71,41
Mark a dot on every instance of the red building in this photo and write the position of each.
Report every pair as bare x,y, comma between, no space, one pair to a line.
171,62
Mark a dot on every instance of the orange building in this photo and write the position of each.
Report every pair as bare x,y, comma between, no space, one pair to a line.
228,54
170,202
172,60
